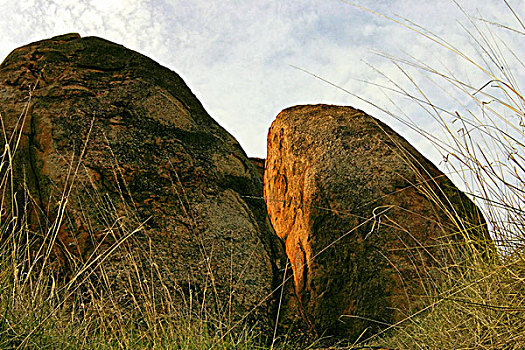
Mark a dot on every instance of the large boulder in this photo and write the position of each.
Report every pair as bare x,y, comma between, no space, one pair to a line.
117,167
367,220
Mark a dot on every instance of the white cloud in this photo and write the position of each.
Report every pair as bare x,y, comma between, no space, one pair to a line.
236,55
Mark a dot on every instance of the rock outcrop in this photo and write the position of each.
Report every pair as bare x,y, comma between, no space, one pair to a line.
116,163
365,217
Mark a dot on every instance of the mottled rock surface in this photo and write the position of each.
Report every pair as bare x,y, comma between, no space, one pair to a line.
361,212
134,151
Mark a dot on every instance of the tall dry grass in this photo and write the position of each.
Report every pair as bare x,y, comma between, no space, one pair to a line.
480,302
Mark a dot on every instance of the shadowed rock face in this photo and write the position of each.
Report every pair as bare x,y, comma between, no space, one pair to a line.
366,219
133,150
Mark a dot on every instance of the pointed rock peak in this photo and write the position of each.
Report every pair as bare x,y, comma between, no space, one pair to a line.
66,37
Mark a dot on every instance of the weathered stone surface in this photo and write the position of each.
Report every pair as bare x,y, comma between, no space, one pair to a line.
130,146
361,212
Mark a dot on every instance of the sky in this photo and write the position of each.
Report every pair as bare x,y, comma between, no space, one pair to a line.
247,60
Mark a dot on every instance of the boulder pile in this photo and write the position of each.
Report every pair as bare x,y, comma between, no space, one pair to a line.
117,175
